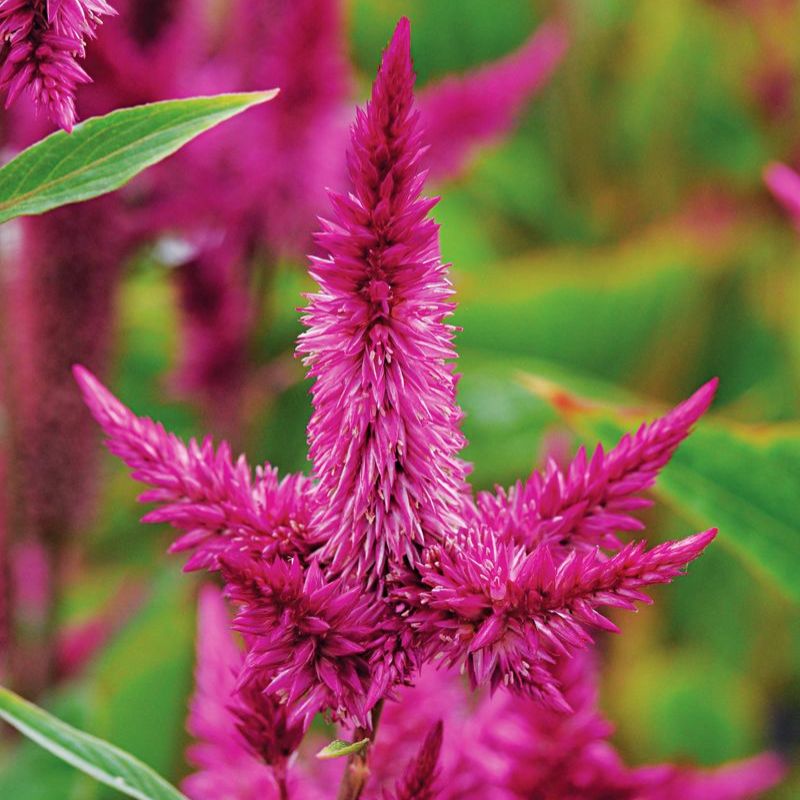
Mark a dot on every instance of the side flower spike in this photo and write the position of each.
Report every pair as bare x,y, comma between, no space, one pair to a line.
213,500
419,780
308,637
460,114
507,613
384,434
243,740
591,501
42,42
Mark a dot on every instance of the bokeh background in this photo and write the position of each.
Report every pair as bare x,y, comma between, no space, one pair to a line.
620,243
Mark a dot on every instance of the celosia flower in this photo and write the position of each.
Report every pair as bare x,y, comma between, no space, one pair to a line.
391,563
215,502
42,42
508,612
243,739
784,183
384,434
419,780
585,505
311,635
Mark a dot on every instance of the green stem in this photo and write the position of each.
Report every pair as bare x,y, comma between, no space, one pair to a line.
356,772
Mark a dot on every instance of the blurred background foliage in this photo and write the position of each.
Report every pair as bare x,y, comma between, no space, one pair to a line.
621,244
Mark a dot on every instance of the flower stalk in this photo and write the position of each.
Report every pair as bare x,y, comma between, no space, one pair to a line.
356,772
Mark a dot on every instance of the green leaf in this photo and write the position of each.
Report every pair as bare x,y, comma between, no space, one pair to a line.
338,748
745,480
103,153
99,759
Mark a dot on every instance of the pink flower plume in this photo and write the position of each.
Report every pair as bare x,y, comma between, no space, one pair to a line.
346,584
43,40
508,612
588,503
214,501
461,113
384,435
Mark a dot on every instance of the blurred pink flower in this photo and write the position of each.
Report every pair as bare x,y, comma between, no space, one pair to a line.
60,307
784,183
512,749
243,740
459,114
42,42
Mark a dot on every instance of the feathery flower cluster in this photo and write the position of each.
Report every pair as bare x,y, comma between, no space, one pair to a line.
42,42
347,582
502,746
384,435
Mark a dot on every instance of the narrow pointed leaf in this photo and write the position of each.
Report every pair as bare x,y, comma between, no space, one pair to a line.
104,153
99,759
338,748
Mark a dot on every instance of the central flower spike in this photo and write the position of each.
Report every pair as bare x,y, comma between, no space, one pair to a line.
384,435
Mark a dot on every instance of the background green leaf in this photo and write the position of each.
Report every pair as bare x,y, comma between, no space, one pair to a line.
101,760
103,153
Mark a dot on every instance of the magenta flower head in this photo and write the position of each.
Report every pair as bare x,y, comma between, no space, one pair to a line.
347,582
243,737
784,183
42,42
384,436
508,612
310,635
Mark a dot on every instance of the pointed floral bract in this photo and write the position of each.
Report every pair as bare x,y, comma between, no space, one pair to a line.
42,42
508,613
215,502
588,503
384,434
